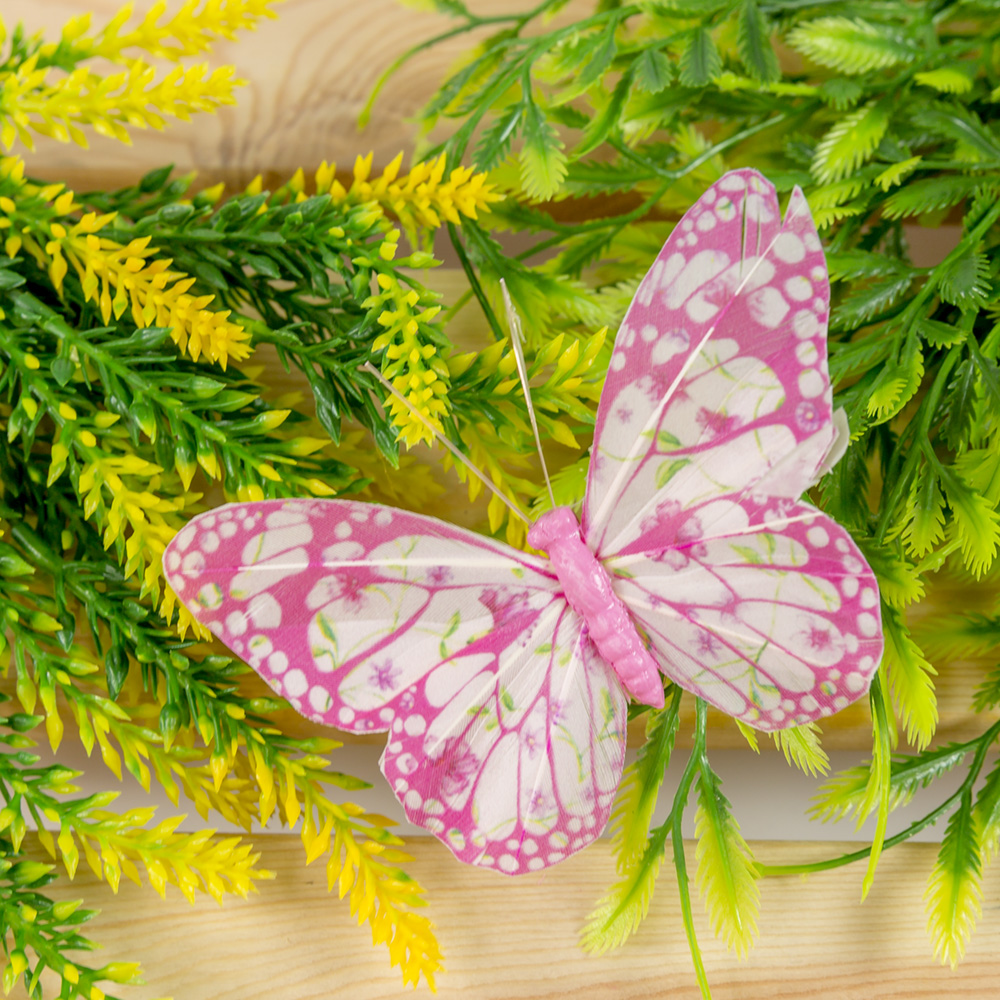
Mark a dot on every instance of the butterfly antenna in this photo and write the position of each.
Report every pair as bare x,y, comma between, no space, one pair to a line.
442,440
517,344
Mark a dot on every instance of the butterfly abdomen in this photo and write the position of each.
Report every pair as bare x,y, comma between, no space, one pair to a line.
589,593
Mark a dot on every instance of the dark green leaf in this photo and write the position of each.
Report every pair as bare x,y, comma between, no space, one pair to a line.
700,60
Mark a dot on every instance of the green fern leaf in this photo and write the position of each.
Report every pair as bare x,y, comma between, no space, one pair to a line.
961,405
640,786
865,303
700,60
620,912
801,747
897,384
850,142
986,814
543,162
954,893
898,580
726,875
974,142
602,124
924,514
939,334
653,71
754,46
896,173
841,93
931,194
947,638
911,681
980,468
965,280
945,80
849,265
845,795
878,794
975,522
851,46
495,142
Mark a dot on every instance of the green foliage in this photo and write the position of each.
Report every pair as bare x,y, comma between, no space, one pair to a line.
726,875
801,747
887,119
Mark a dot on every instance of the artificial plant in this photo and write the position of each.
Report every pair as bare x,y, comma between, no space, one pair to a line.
136,331
601,122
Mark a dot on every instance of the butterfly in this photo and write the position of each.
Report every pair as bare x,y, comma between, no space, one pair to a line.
502,677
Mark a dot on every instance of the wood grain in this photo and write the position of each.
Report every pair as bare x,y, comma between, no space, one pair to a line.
309,74
515,939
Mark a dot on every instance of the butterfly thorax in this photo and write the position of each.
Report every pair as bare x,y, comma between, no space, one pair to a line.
589,593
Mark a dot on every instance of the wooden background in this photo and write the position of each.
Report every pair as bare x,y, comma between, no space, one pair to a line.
308,75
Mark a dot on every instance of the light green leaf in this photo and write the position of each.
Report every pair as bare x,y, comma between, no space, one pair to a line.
924,515
946,80
911,681
878,794
623,908
801,747
543,162
954,893
895,173
640,785
850,142
851,46
726,875
974,520
964,281
932,194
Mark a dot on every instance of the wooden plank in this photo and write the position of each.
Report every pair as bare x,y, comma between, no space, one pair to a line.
308,73
515,939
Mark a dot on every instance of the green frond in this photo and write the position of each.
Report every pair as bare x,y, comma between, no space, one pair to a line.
638,791
850,142
878,794
954,893
975,521
924,517
726,876
802,748
543,162
898,580
986,814
911,680
933,194
620,912
851,46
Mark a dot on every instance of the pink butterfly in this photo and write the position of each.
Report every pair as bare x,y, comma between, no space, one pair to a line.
501,677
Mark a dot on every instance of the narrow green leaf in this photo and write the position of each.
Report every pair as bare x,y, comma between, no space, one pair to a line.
700,61
851,46
850,142
801,747
878,793
954,892
964,281
975,521
924,513
653,71
911,681
726,874
495,142
754,46
602,124
543,162
641,783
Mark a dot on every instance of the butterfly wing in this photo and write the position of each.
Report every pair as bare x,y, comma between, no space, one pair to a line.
776,627
505,725
718,385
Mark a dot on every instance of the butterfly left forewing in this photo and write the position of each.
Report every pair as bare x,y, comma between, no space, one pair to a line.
776,627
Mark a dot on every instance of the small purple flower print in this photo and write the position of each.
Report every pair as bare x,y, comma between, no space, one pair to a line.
439,576
808,416
383,675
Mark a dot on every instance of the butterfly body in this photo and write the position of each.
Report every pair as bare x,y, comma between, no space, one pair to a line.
589,593
500,676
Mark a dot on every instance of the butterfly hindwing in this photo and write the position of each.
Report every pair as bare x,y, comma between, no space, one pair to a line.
506,728
775,627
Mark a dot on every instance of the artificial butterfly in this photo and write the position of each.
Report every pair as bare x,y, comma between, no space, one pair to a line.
501,676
